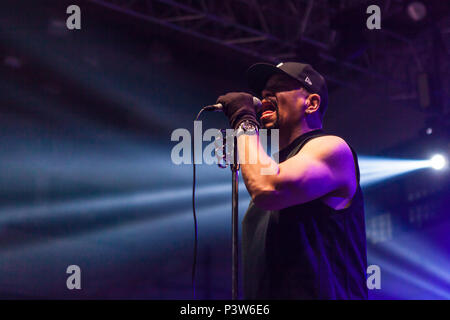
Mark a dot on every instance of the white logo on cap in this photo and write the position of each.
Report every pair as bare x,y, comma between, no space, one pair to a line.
308,81
279,65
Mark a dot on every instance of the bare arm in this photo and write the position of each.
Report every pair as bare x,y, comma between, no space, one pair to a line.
323,166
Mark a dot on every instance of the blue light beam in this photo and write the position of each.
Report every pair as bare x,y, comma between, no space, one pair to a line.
374,169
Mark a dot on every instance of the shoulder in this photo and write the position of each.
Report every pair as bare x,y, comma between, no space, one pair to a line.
334,156
329,147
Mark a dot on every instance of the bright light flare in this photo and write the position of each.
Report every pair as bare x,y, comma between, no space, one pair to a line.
438,162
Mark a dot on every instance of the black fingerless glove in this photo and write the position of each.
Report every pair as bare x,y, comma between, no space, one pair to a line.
238,106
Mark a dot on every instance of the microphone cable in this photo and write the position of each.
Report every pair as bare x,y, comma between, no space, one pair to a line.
215,107
194,263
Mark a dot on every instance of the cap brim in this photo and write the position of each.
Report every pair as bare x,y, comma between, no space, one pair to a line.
258,74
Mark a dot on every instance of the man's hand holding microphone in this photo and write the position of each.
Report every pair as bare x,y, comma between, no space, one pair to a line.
240,107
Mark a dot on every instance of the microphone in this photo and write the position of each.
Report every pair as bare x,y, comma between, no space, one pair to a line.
219,107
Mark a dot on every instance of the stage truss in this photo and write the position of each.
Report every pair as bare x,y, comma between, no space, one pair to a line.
275,31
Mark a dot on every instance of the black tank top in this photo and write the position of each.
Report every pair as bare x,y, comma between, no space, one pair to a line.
307,251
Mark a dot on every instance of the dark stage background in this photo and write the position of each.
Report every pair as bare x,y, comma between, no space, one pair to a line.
86,117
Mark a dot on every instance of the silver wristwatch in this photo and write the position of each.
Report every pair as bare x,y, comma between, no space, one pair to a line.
247,127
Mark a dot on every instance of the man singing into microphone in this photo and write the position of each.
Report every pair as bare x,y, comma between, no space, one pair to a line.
303,235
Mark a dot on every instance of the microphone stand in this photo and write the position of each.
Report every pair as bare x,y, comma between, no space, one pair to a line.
234,222
234,166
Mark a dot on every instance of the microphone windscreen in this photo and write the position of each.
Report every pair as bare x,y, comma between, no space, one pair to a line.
257,103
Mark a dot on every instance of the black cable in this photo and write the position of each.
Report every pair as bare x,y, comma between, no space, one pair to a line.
194,263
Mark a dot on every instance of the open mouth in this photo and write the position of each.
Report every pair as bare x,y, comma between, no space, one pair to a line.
268,109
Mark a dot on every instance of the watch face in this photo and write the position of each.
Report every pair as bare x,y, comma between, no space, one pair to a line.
248,127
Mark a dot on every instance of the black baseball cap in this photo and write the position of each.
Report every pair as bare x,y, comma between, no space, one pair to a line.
314,82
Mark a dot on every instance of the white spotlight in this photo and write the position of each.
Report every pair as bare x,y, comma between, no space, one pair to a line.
438,162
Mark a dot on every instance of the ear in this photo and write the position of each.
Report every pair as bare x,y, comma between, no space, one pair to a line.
312,103
314,100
